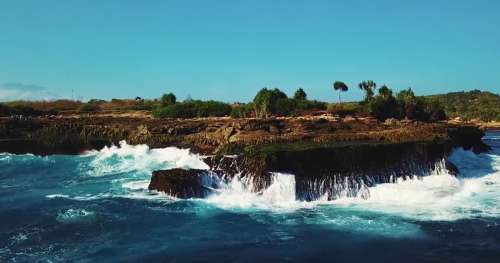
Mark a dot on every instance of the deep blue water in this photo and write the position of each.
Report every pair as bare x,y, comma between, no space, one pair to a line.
95,208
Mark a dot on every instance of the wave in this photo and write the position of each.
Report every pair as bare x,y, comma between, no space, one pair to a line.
475,192
437,196
238,193
140,158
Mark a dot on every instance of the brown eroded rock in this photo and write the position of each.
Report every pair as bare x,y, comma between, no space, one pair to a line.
179,183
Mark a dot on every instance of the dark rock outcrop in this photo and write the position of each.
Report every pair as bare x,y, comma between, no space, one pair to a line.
179,183
329,170
468,137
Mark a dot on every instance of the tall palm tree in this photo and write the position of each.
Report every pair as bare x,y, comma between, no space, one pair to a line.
340,87
368,87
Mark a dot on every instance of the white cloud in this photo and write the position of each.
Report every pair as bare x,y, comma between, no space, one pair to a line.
20,91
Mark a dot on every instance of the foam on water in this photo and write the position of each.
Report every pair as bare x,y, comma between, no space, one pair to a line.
89,224
128,169
76,216
441,196
280,195
438,196
141,159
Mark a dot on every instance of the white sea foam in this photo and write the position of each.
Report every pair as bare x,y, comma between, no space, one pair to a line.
441,196
76,216
136,185
140,158
438,196
238,193
130,167
52,196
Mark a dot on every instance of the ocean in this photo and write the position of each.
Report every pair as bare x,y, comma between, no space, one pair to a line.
95,207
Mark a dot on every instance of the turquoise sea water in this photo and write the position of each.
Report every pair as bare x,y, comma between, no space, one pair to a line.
95,208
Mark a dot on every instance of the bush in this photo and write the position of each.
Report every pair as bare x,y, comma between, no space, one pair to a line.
6,111
343,109
89,107
192,109
435,110
275,102
300,94
470,105
241,110
45,106
168,99
265,101
293,107
383,108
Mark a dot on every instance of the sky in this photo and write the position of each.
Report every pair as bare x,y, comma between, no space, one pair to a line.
228,49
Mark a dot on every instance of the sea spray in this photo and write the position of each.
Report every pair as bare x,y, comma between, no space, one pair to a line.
140,158
438,195
238,193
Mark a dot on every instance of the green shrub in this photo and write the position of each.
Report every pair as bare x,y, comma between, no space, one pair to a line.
241,110
192,109
384,107
265,101
168,99
89,107
300,94
343,109
474,104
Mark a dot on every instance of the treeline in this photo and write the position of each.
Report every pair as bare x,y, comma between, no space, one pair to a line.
170,108
379,102
40,108
267,102
405,105
470,105
6,110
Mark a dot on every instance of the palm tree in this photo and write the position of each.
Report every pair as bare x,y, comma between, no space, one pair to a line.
340,86
368,86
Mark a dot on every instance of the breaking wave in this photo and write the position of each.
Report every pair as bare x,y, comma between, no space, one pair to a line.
437,196
475,192
140,158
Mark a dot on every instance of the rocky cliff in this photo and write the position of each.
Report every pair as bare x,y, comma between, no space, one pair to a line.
322,153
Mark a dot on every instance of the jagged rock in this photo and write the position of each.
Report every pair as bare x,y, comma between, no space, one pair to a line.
469,138
179,183
210,135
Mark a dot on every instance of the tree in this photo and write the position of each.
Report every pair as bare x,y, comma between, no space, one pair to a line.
265,101
300,94
385,92
168,99
368,87
340,86
435,110
411,107
384,105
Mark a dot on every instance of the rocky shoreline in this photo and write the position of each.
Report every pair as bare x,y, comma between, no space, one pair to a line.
322,152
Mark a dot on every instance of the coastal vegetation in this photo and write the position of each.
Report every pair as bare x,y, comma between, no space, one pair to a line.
475,104
381,103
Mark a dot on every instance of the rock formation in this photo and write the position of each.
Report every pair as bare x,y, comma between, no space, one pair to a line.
320,152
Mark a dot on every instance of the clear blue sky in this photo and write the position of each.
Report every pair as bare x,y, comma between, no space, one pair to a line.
228,49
